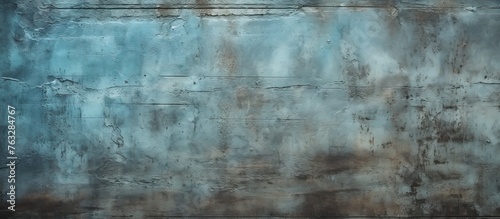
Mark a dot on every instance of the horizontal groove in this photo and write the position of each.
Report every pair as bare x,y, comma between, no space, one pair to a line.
154,104
318,216
247,76
256,119
155,7
405,6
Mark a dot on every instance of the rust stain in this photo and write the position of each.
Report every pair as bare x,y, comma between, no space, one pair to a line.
45,205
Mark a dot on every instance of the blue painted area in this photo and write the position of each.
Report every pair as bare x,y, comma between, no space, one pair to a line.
295,110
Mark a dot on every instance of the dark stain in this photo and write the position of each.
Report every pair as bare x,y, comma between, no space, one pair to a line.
459,55
225,198
83,150
204,7
227,57
497,211
45,205
138,96
364,71
8,10
229,204
423,141
321,204
155,120
399,80
338,163
414,185
450,107
386,145
436,176
274,138
450,132
224,136
109,169
446,126
243,97
436,161
348,203
165,10
339,203
251,101
302,176
426,32
161,119
455,209
147,202
426,17
356,77
393,24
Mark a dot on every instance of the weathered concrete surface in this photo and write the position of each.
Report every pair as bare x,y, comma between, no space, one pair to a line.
251,108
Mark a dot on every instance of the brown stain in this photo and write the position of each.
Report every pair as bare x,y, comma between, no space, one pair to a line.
455,208
343,203
440,208
44,204
454,131
166,10
232,204
392,22
436,127
426,17
203,7
430,24
427,28
252,174
321,203
338,163
437,176
227,57
149,203
395,90
445,202
249,98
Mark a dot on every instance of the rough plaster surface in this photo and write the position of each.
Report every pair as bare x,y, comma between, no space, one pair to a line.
252,108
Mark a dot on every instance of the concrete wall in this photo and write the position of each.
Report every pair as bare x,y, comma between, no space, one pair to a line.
252,108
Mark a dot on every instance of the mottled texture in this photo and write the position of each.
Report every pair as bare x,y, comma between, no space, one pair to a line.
252,108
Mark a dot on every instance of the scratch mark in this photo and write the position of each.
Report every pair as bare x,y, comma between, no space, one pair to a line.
293,86
123,86
12,79
342,110
246,119
158,104
245,76
484,82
